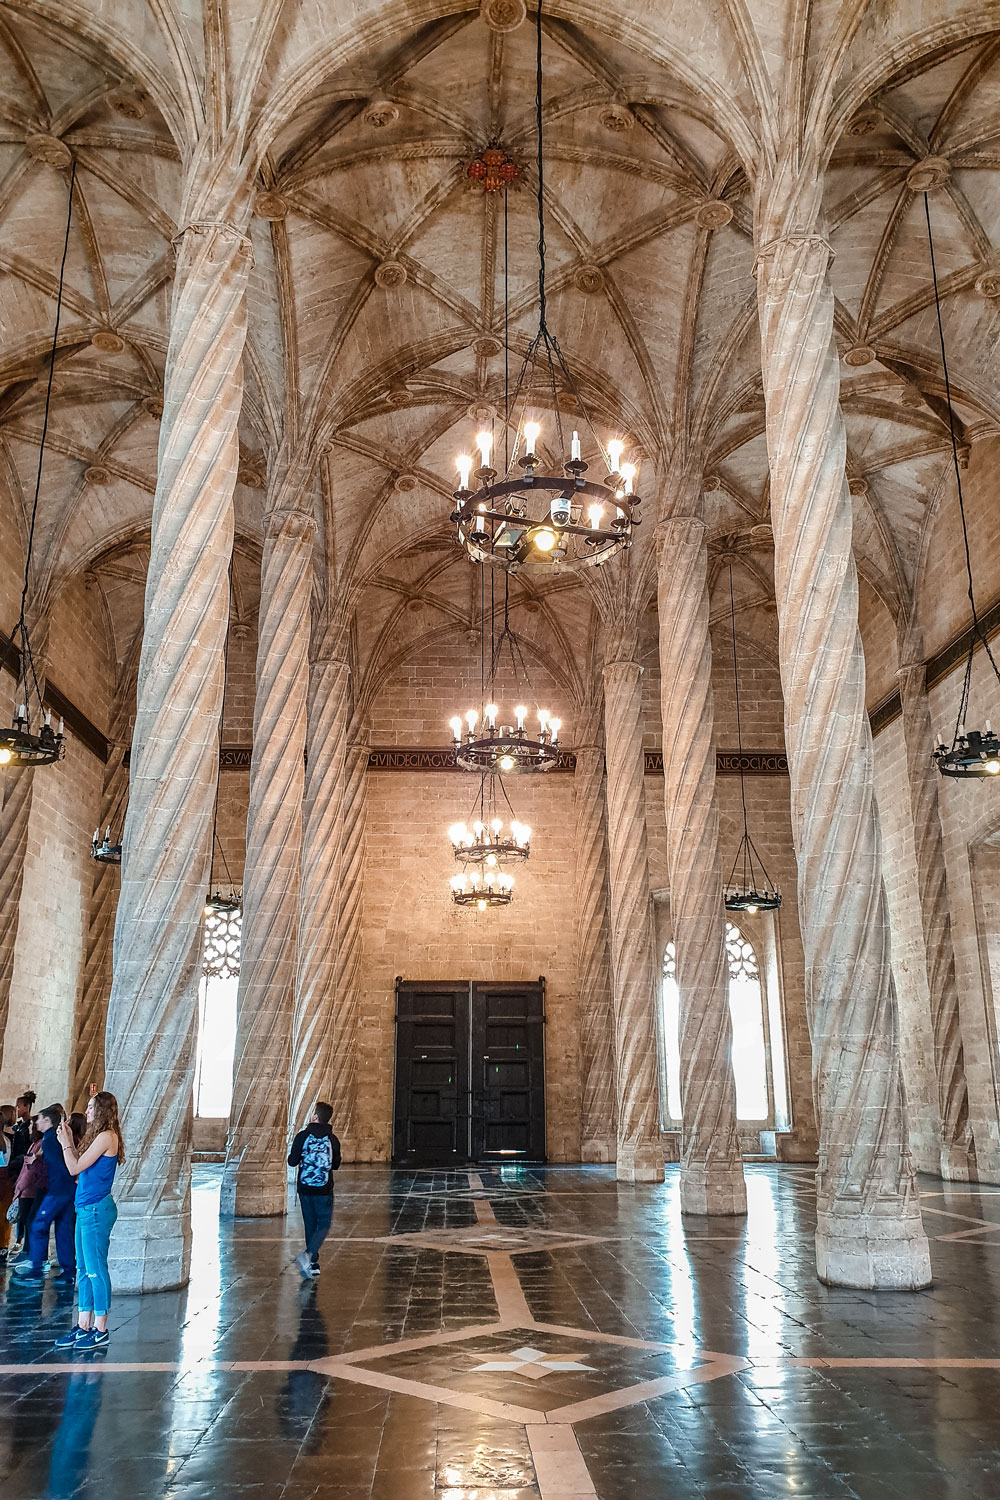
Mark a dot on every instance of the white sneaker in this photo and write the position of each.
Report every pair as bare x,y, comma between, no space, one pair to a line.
304,1264
314,1272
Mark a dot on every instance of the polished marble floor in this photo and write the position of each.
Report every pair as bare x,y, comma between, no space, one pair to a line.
521,1334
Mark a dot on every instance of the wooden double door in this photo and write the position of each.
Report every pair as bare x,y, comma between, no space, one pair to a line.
470,1073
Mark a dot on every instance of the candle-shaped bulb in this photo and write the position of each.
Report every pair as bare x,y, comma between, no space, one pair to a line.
989,727
471,719
615,451
495,827
543,719
520,714
595,513
456,727
59,728
628,474
531,431
48,719
490,715
574,447
456,833
107,834
555,726
477,829
464,470
525,835
22,710
97,834
484,442
491,860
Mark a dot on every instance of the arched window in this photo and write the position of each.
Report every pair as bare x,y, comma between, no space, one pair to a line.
752,1060
216,1048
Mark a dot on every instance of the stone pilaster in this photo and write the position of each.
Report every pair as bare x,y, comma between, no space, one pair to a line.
175,759
597,1071
958,1157
95,988
315,1037
711,1162
634,970
255,1177
869,1232
344,1053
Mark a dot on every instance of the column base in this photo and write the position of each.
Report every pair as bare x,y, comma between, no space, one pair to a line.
642,1162
713,1189
151,1252
254,1190
599,1148
958,1164
872,1251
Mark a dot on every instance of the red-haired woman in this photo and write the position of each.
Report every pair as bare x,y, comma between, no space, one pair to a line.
93,1166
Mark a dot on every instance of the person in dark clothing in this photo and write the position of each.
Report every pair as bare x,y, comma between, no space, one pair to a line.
29,1189
21,1139
54,1211
316,1153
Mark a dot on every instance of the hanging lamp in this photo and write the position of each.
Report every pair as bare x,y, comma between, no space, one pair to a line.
20,746
749,887
540,511
223,909
484,849
108,850
971,752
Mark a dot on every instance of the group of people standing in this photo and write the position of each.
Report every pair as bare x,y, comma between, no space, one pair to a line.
57,1177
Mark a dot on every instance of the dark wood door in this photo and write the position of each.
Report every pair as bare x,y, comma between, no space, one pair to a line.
470,1073
508,1072
431,1116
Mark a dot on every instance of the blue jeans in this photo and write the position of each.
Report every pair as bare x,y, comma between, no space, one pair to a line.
58,1213
94,1223
317,1215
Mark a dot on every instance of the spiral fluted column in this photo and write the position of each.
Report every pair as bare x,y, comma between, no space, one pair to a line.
633,966
597,1072
92,1005
343,1074
175,759
315,1037
958,1157
255,1178
869,1232
711,1162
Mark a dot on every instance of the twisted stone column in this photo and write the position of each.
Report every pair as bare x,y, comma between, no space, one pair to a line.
635,979
92,1005
958,1157
597,1072
869,1232
255,1177
175,759
315,1038
343,1093
711,1161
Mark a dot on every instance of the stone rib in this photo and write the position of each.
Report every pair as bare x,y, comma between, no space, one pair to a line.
869,1231
957,1150
168,830
255,1177
711,1162
597,1077
640,1156
314,1036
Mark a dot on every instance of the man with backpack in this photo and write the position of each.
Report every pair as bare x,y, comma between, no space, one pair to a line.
316,1153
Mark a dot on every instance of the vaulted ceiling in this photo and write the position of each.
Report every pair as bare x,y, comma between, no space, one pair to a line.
386,281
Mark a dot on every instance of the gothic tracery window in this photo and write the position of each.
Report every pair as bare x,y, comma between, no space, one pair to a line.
213,1079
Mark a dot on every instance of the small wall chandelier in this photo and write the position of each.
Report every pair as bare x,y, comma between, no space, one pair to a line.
19,746
540,511
971,752
749,887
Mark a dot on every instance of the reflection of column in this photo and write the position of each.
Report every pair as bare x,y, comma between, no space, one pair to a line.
344,1053
958,1159
175,759
255,1177
711,1162
15,815
640,1154
314,1035
597,1074
92,1006
869,1232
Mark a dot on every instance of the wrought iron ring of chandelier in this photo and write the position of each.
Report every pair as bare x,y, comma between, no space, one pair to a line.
506,748
482,889
486,844
549,518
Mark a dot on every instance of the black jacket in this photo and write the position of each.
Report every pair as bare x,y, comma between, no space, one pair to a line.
295,1160
20,1140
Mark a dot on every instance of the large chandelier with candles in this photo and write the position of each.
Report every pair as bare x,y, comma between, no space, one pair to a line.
490,744
532,505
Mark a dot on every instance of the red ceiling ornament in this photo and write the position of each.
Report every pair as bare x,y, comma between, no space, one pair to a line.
494,169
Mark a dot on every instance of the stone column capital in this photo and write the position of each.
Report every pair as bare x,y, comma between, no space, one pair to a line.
815,247
678,531
203,231
621,670
287,523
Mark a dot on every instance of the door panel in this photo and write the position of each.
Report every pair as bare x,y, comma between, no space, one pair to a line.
431,1115
470,1073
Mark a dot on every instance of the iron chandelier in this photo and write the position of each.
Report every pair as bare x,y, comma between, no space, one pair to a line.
749,887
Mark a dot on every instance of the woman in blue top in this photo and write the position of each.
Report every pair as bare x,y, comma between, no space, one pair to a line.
93,1166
